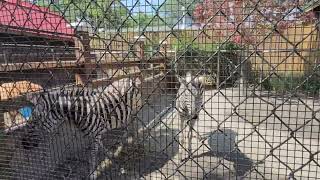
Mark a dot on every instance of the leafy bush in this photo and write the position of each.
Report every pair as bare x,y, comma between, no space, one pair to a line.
312,85
230,46
206,62
288,83
187,43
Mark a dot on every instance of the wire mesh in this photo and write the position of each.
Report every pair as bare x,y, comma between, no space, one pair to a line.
106,89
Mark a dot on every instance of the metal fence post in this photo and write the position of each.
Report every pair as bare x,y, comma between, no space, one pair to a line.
218,70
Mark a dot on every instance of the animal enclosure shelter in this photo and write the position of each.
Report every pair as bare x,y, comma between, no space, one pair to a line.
167,89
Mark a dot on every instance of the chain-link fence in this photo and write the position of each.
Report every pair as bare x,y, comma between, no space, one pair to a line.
167,89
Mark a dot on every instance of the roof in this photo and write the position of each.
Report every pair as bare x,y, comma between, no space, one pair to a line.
311,5
17,16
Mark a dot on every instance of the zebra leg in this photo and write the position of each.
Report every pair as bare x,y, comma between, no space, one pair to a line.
182,140
107,162
120,147
95,172
124,141
190,135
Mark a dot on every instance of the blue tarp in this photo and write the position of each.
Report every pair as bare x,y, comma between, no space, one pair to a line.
26,112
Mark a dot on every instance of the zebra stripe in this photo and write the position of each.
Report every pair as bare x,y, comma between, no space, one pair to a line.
92,111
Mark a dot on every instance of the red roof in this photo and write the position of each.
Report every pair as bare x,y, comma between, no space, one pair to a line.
24,17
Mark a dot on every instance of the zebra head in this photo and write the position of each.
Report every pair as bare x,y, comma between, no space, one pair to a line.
190,94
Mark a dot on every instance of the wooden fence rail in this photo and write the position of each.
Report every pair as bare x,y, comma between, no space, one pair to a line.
80,59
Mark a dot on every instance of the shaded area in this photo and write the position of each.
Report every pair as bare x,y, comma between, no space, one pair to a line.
222,144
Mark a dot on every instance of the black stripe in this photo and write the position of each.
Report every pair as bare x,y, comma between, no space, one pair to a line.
54,106
93,121
45,121
107,109
87,115
116,98
99,117
84,112
111,108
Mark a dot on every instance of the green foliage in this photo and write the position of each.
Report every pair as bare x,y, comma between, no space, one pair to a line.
290,83
312,85
203,58
230,46
172,9
206,62
102,12
208,47
143,20
187,42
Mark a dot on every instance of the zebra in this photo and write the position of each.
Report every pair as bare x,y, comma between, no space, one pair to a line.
188,105
92,111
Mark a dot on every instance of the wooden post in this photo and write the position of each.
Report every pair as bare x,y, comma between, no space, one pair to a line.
164,48
140,44
140,47
82,43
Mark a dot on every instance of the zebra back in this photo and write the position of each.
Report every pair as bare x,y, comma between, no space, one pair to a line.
91,110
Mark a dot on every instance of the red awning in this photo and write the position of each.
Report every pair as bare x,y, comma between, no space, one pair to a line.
17,16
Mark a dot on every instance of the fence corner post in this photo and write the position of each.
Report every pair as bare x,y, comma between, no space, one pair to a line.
82,52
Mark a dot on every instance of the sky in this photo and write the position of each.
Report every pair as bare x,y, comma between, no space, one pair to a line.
142,5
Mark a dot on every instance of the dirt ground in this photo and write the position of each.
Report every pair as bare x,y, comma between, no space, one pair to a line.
260,137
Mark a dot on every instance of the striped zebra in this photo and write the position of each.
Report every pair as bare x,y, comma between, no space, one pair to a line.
188,105
92,111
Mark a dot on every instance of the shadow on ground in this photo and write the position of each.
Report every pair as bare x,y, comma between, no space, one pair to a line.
222,144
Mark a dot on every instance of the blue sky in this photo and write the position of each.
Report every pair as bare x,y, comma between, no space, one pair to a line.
142,5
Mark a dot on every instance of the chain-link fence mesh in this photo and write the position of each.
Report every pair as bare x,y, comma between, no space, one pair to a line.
111,89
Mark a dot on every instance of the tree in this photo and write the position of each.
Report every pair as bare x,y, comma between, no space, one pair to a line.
243,21
142,20
102,13
173,10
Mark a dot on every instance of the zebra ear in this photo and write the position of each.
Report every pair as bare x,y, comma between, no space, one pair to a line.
197,80
189,77
181,79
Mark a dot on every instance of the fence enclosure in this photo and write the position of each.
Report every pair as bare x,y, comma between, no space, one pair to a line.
258,116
